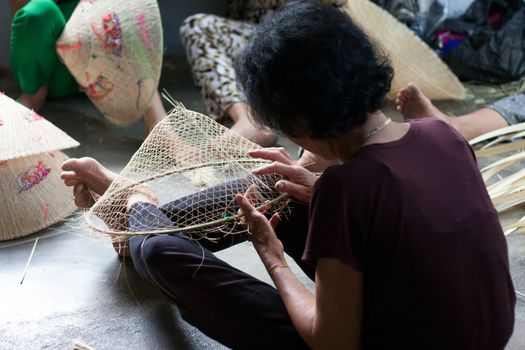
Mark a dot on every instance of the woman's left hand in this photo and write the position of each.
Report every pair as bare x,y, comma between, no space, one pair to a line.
261,230
300,181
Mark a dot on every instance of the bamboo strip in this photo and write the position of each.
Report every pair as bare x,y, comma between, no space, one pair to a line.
515,225
500,186
510,201
507,130
508,147
494,168
504,138
511,195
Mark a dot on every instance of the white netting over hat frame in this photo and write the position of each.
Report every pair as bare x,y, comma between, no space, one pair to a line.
191,168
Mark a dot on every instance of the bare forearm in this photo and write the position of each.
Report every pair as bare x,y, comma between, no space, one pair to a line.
299,302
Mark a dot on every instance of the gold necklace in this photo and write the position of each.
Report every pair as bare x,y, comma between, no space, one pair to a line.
376,129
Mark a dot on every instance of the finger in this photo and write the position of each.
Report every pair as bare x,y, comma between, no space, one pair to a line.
276,154
274,220
68,175
295,190
253,194
71,182
242,221
246,207
286,170
69,164
83,197
79,188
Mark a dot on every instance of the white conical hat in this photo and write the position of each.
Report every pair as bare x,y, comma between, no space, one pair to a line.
412,59
23,132
113,48
33,195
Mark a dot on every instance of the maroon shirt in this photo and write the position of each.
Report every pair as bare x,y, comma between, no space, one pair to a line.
414,216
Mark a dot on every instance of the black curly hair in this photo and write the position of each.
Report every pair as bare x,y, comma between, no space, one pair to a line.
310,71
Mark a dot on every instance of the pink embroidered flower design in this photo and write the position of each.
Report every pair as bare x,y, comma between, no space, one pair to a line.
112,33
32,176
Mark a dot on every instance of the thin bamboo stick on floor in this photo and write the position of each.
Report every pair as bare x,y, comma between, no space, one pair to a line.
29,261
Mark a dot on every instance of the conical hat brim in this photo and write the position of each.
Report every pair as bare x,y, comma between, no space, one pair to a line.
412,59
32,204
24,132
120,76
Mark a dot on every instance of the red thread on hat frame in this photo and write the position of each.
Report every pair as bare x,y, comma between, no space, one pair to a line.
112,33
100,88
74,46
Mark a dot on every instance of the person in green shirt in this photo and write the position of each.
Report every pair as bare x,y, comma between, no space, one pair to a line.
36,26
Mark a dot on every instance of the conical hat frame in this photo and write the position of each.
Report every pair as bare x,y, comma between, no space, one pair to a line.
34,197
24,132
205,130
114,49
412,59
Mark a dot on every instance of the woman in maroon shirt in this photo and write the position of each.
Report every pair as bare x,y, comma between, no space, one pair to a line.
408,249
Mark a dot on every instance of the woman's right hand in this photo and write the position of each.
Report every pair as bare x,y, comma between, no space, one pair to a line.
300,181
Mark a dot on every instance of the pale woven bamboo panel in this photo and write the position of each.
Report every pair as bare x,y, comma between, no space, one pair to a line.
32,194
114,49
24,132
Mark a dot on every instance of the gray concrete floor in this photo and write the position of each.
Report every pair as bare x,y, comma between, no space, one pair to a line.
76,288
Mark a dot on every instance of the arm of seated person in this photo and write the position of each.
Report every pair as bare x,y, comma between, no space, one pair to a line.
332,318
35,101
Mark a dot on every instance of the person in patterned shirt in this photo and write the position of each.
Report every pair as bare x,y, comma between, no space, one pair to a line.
211,43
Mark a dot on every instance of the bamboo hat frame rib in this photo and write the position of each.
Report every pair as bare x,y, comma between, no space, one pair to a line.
505,177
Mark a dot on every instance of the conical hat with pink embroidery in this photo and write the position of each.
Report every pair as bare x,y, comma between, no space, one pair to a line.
33,195
412,59
113,48
24,132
